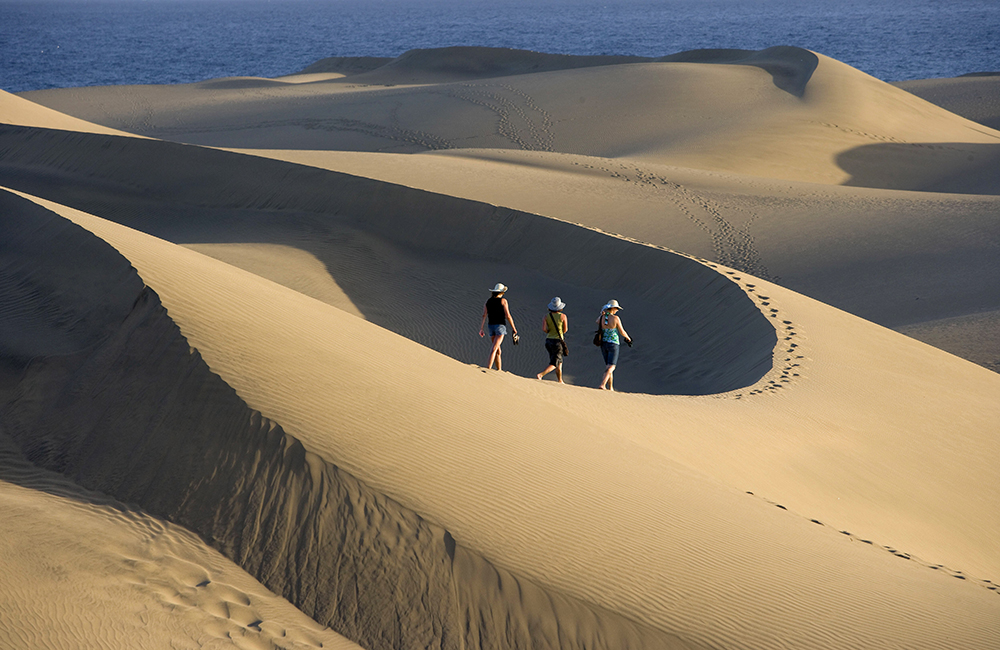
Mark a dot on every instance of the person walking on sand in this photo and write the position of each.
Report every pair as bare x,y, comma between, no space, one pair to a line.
555,325
498,313
611,327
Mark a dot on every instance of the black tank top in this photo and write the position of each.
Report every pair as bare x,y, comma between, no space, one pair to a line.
495,312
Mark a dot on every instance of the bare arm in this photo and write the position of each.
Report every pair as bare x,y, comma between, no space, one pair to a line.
565,323
482,323
510,320
545,324
621,329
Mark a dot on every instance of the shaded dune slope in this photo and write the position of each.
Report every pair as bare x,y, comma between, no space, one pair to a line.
790,66
133,411
974,97
463,63
721,339
345,65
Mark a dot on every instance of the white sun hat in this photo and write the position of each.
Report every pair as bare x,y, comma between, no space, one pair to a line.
500,288
556,304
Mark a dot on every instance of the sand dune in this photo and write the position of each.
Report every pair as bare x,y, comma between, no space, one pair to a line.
900,259
830,125
26,113
687,170
371,236
221,312
976,97
274,349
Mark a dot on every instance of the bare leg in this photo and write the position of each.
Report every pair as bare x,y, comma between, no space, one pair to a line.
607,378
559,373
495,352
547,370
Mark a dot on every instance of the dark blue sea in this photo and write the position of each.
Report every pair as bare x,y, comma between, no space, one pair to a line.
61,43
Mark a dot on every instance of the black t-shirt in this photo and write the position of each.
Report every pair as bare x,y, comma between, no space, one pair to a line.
495,312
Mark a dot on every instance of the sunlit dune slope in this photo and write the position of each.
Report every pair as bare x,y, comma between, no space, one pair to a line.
782,113
619,519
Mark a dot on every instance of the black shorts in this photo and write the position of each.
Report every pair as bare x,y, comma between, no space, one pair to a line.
554,347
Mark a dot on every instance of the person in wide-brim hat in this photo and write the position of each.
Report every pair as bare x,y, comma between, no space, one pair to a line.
612,331
555,325
497,312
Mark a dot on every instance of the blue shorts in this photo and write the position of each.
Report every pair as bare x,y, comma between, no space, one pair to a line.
498,330
610,352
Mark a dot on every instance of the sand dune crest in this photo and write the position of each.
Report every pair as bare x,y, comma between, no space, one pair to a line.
790,67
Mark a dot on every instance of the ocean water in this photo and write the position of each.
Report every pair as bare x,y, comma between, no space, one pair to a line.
62,43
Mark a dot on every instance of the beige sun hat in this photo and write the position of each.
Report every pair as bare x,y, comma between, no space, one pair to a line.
612,304
500,288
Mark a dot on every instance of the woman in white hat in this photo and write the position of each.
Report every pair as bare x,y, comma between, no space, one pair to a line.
555,325
612,332
498,313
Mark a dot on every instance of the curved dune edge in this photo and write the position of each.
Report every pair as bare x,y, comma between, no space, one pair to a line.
452,248
825,242
632,539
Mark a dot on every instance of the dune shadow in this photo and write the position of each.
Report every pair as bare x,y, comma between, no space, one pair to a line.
465,62
952,167
415,262
790,67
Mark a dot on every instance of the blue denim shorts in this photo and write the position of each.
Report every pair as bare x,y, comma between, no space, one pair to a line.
610,352
498,330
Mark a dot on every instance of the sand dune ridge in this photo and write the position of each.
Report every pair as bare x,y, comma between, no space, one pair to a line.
124,426
723,341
